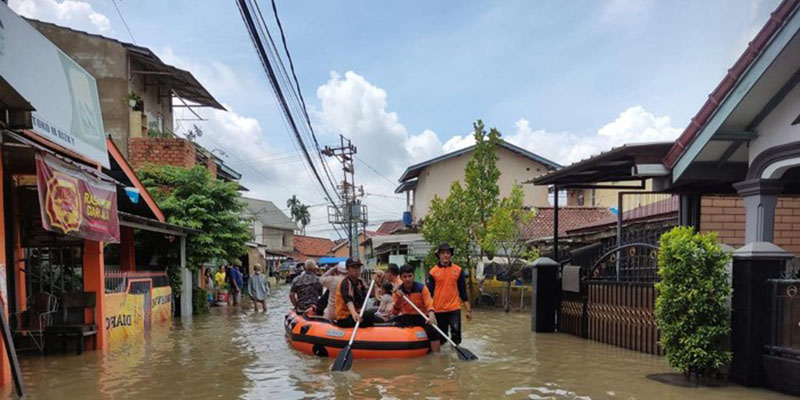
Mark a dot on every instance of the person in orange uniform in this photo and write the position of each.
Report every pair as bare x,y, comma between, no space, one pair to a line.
449,290
351,295
418,294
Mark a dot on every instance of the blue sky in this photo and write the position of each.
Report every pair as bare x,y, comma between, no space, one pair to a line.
405,80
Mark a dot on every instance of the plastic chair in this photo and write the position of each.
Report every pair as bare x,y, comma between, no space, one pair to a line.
32,322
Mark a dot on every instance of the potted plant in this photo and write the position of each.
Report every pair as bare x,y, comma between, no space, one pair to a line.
133,101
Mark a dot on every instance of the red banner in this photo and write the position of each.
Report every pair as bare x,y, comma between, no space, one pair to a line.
74,202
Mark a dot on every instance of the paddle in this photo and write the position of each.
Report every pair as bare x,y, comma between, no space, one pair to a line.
463,353
344,360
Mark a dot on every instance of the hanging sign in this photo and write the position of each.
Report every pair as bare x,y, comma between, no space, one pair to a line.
75,203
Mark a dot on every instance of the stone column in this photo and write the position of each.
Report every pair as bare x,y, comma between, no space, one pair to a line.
545,287
753,264
760,198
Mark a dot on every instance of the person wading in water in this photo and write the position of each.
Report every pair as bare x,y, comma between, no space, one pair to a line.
449,290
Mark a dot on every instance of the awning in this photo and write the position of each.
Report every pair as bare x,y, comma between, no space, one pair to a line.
630,162
152,225
331,260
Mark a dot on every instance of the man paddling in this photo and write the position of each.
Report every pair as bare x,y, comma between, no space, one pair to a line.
448,287
420,296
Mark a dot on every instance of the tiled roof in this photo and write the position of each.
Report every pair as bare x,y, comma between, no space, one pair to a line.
667,208
568,218
388,227
754,49
310,246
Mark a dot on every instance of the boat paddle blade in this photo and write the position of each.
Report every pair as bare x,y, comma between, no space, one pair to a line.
465,355
343,361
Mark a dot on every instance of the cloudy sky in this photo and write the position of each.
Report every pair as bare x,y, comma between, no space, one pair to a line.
405,80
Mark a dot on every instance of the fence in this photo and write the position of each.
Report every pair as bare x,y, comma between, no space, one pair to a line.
785,330
117,281
621,314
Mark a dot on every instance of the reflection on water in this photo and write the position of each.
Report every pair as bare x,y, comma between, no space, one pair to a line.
233,353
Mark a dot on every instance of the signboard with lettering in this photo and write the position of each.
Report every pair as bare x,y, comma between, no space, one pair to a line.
75,203
63,94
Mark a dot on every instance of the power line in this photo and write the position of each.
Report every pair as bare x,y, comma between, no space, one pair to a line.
114,2
253,30
376,171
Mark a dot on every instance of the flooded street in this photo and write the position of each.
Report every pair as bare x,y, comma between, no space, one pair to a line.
232,353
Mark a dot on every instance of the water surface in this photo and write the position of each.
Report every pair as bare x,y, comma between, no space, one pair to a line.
233,353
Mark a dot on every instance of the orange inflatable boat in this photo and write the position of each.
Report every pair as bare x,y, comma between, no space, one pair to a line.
318,336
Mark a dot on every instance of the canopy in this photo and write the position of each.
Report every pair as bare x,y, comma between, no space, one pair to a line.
331,260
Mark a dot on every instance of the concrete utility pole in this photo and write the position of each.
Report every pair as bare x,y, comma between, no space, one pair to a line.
350,212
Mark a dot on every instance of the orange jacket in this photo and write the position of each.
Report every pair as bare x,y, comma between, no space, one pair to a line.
448,287
349,293
419,295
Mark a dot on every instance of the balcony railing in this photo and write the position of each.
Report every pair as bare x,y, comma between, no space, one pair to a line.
117,281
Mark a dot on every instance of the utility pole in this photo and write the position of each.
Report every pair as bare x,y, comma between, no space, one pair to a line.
350,213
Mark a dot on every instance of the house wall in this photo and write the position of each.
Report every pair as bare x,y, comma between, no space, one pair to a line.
278,239
157,99
777,129
435,180
609,197
163,151
726,215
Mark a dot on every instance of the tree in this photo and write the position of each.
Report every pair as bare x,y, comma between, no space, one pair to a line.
482,190
299,211
504,233
445,223
192,198
690,307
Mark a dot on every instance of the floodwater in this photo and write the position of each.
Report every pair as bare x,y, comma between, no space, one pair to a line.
233,353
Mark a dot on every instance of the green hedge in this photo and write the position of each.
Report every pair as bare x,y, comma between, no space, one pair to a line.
199,301
690,308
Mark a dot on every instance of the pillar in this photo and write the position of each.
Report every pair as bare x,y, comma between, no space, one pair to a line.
5,367
544,295
760,199
753,265
127,249
94,280
186,283
689,210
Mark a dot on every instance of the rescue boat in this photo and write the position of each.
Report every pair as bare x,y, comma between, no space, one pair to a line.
318,336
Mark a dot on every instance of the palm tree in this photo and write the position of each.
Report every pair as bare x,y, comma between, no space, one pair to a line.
299,211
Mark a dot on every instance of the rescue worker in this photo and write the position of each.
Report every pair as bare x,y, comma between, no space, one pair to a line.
351,296
418,294
449,290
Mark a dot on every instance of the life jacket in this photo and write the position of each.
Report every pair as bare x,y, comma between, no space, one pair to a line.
419,295
359,296
444,288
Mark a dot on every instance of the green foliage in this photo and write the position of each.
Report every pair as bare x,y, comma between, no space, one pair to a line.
445,222
690,308
194,199
199,301
480,177
299,211
504,234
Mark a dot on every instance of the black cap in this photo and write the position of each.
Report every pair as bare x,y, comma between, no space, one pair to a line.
444,246
353,262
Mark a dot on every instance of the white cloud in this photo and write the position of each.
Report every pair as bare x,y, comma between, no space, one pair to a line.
72,13
634,125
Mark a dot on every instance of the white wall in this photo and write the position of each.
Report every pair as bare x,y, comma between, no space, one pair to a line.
776,129
437,178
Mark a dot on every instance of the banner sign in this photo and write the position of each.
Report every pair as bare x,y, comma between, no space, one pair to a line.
62,92
74,203
124,316
161,303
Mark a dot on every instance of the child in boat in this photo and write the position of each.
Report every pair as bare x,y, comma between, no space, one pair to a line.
418,294
385,306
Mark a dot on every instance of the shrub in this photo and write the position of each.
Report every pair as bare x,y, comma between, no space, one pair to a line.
690,308
199,301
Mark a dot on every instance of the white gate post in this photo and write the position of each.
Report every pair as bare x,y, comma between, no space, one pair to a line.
186,283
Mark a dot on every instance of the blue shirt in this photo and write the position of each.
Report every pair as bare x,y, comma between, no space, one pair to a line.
237,276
